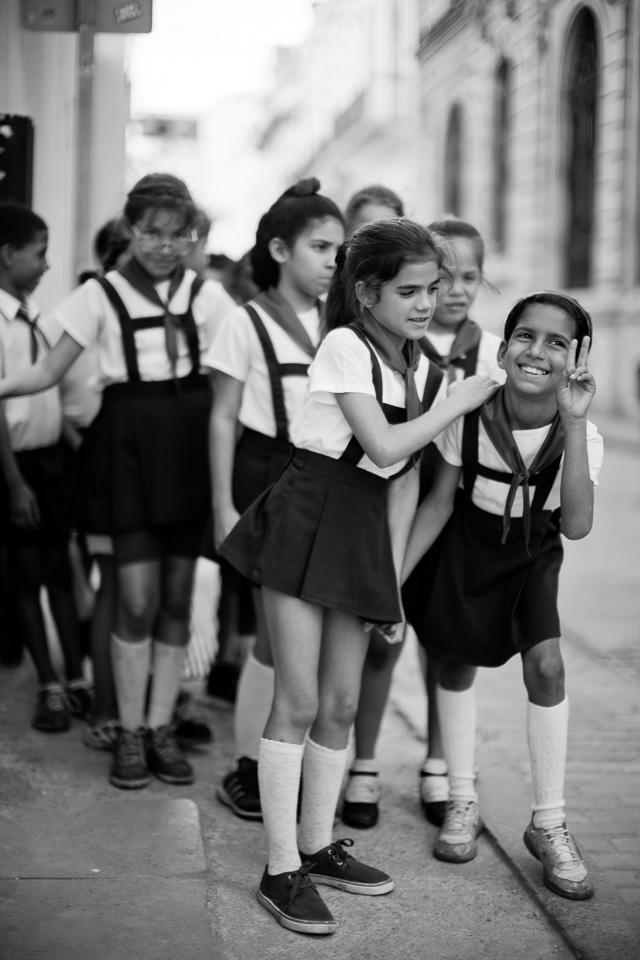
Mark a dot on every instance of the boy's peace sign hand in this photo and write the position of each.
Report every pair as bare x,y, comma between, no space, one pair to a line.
577,385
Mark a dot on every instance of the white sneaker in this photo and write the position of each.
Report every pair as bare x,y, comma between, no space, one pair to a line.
456,841
563,867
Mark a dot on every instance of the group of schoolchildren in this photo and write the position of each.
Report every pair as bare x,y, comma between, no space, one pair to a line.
371,459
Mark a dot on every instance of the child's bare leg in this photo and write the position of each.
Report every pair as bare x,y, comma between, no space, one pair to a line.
434,782
58,580
105,707
547,836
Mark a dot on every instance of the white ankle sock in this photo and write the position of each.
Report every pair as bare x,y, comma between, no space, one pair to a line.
547,729
435,766
253,706
279,766
165,683
131,663
457,709
322,773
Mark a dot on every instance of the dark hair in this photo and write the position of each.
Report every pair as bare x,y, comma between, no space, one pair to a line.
581,319
18,224
287,219
374,255
160,191
375,193
450,226
109,243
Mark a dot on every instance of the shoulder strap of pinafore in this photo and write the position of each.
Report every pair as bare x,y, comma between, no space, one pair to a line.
276,372
471,468
435,376
353,452
128,327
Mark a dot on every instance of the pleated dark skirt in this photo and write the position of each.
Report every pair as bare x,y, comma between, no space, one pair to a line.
320,533
144,461
489,601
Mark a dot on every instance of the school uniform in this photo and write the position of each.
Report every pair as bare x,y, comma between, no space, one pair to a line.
35,424
143,463
494,593
321,533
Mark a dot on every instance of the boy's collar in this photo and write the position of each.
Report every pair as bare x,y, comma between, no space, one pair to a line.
10,304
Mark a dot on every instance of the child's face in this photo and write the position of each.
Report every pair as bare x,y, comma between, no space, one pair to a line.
454,302
369,212
160,241
29,263
310,261
405,304
535,356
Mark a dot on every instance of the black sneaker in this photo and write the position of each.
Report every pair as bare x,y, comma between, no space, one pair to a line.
295,903
129,769
51,714
189,727
165,758
222,685
335,867
240,790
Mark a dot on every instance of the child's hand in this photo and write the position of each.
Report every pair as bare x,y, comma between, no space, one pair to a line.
223,523
473,392
576,386
23,507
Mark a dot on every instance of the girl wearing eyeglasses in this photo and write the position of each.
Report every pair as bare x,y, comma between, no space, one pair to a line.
144,476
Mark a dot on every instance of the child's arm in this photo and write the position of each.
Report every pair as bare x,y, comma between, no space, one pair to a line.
41,376
70,435
575,393
23,506
432,515
385,444
222,447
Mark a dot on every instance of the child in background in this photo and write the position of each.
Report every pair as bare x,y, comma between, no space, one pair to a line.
318,542
144,473
459,347
371,203
260,358
495,590
32,485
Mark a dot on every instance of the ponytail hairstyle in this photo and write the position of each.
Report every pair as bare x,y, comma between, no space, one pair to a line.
582,323
286,220
451,227
374,255
160,191
376,194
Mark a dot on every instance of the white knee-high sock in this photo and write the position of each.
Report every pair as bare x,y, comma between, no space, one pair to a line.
131,663
322,773
547,730
279,766
253,706
457,709
165,683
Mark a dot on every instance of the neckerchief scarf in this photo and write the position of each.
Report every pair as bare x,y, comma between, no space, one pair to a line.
467,337
142,281
23,315
405,361
495,419
281,311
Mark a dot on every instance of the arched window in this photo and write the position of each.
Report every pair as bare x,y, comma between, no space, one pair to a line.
580,98
501,131
453,163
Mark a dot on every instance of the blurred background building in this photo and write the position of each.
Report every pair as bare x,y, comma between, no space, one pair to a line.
522,116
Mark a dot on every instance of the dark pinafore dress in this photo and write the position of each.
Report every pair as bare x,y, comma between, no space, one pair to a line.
259,460
320,532
490,600
144,460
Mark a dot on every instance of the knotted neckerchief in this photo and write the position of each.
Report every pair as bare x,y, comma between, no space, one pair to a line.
466,339
495,420
142,281
281,311
403,361
23,314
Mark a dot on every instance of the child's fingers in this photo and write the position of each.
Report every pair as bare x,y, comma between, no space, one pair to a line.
571,356
584,351
581,373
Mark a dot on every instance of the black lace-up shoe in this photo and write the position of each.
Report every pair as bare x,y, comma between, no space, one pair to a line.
165,759
240,790
295,903
129,770
335,867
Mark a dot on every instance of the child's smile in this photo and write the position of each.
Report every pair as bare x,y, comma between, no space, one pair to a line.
535,356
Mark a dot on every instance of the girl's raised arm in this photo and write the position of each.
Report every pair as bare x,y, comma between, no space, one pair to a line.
432,515
386,444
45,374
575,393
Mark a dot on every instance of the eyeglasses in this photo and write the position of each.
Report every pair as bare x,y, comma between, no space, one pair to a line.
153,242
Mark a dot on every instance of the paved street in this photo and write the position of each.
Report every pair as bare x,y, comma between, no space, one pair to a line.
89,872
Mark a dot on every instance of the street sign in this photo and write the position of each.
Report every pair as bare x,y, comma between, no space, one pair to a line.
108,16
